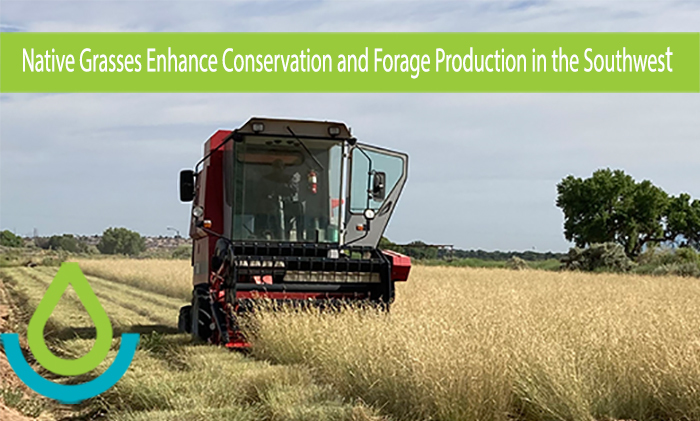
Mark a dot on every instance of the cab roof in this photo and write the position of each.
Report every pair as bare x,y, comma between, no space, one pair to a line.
300,128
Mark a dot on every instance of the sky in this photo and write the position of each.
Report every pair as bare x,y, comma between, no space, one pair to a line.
483,167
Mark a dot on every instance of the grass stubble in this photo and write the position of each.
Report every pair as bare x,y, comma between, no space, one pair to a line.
172,378
458,344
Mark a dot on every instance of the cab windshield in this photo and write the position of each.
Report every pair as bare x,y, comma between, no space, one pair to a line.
284,189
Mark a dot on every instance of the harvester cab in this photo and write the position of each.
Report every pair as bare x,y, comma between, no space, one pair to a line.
288,210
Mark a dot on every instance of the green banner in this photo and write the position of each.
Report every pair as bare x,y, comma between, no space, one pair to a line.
350,62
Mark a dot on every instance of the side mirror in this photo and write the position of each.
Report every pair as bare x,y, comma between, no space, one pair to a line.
379,186
186,185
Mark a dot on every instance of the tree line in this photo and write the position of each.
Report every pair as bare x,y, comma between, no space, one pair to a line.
113,241
423,251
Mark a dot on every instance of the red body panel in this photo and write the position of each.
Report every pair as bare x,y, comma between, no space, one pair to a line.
400,265
214,200
238,343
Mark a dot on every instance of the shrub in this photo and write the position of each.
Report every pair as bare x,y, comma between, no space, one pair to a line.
598,257
54,260
182,252
517,263
683,261
92,250
678,269
8,239
688,255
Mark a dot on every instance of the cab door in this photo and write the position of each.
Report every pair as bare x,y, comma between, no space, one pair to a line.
376,178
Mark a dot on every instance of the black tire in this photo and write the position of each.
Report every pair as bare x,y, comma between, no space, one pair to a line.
184,320
201,320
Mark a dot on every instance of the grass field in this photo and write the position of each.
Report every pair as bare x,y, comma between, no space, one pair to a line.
459,343
171,378
164,276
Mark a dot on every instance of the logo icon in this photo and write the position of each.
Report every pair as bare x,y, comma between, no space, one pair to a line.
69,274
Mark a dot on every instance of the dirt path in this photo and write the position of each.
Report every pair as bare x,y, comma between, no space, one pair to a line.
130,310
7,376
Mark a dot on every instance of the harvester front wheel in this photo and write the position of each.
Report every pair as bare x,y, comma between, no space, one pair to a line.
201,320
184,320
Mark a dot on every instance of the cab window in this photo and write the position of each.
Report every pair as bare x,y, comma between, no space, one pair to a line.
374,175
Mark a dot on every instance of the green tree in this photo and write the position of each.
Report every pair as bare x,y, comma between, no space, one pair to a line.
8,239
66,242
611,207
121,241
683,220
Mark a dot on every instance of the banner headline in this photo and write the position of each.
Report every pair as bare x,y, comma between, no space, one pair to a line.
350,62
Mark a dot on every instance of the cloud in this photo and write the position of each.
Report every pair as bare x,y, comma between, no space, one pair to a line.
483,167
219,16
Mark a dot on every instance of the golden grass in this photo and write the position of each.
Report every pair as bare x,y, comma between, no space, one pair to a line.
168,277
458,344
489,344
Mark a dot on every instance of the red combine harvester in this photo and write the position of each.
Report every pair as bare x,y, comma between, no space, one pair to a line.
291,211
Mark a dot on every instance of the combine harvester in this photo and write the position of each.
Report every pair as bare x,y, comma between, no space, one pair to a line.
291,211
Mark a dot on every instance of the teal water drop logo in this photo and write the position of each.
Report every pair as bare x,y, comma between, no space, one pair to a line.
70,275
